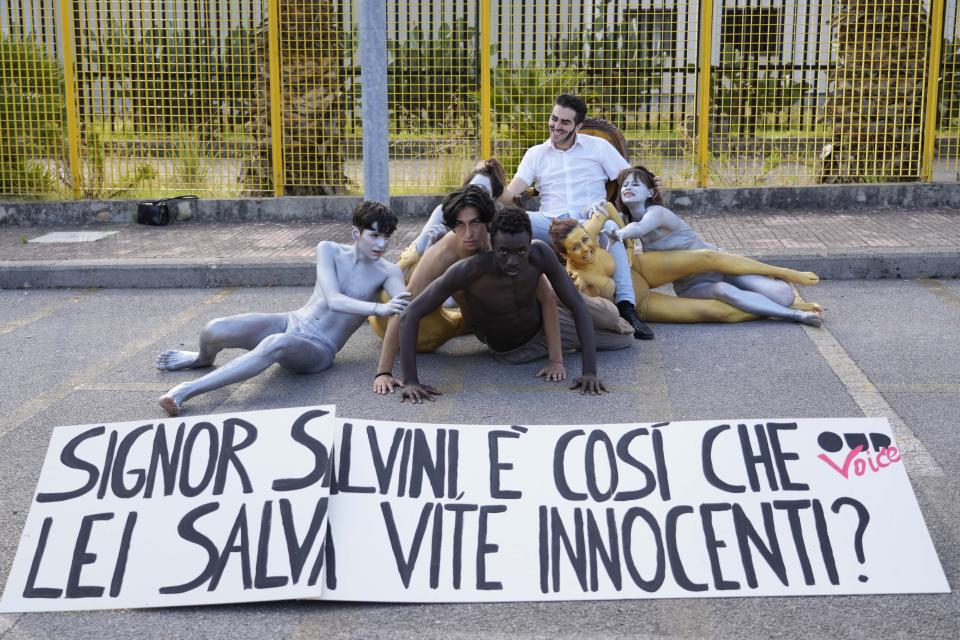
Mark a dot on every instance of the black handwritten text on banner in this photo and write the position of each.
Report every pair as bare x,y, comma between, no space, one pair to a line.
198,510
292,503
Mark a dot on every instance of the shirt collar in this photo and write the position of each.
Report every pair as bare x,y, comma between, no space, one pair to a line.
576,142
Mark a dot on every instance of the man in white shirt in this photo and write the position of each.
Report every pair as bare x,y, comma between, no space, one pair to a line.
571,172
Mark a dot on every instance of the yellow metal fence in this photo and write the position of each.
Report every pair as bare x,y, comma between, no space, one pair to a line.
139,98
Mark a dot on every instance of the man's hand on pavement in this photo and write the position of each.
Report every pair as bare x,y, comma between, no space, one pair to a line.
417,393
589,384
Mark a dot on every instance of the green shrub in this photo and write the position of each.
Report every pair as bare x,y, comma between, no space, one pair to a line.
746,92
32,116
170,79
948,115
434,80
619,60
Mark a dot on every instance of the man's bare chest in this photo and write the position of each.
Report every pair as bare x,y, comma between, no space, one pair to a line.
502,296
360,281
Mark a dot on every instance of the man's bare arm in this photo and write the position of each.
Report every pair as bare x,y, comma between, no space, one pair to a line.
563,286
431,266
394,284
554,371
454,279
515,188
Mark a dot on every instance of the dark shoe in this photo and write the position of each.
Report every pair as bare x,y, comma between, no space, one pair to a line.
641,331
629,313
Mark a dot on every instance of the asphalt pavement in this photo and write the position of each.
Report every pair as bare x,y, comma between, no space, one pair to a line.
889,347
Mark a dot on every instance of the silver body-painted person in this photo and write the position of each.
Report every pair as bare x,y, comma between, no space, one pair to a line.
349,280
659,229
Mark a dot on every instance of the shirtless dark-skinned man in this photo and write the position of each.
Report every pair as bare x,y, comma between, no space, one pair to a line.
498,291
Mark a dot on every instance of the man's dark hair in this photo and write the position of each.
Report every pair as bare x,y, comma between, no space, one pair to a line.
493,170
511,220
570,101
472,196
368,213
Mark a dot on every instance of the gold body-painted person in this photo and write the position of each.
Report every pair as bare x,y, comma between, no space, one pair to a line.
591,268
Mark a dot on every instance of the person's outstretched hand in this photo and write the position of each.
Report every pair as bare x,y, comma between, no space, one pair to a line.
553,372
589,384
417,393
612,234
386,383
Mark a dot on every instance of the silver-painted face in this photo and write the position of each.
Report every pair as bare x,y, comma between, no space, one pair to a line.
371,244
483,181
634,191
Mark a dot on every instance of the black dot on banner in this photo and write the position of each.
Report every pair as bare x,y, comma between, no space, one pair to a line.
862,578
830,441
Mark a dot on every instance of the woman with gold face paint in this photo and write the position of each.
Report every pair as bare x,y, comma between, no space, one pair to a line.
591,268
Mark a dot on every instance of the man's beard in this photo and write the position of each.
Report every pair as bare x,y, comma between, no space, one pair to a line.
567,138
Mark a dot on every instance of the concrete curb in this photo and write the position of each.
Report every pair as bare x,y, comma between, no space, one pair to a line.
907,264
283,209
813,199
827,198
154,274
171,273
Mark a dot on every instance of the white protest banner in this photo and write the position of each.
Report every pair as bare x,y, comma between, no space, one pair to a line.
435,513
190,510
447,513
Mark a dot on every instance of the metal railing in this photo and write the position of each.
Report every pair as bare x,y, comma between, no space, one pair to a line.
134,98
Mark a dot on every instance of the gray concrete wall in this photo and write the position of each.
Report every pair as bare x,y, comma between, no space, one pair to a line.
830,198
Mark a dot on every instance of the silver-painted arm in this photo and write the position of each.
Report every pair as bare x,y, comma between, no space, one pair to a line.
341,303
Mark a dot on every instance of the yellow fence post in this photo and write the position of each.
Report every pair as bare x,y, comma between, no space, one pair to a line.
933,87
485,117
703,90
70,91
276,106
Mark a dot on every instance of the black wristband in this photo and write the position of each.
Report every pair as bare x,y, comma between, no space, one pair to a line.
383,373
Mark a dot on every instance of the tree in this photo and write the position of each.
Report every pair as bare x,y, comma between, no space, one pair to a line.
314,80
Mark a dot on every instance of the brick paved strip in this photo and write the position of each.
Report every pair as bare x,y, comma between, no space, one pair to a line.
749,232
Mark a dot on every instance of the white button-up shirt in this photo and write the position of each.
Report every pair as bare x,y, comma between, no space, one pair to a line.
570,180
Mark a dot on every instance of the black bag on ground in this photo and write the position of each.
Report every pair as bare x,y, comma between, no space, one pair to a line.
157,212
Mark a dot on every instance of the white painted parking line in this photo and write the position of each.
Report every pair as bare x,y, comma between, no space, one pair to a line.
918,460
42,313
43,401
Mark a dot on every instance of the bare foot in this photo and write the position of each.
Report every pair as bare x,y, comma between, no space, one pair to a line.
803,277
176,360
810,318
806,306
170,406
